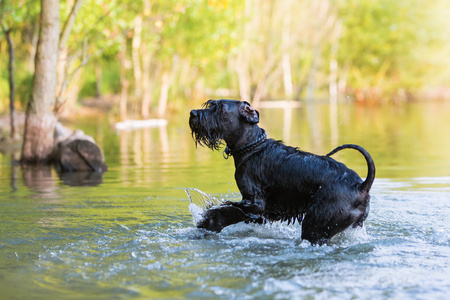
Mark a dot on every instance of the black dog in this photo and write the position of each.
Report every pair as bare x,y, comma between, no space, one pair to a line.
278,182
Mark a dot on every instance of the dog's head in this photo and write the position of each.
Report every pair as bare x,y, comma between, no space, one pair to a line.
221,120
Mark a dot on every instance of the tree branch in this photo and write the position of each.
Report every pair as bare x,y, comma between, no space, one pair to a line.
67,28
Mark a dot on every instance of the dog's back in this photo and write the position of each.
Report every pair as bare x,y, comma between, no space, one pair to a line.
289,179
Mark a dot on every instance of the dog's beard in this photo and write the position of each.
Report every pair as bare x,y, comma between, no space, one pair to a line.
209,136
209,140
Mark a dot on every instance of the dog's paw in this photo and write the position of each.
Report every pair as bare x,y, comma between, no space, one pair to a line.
216,218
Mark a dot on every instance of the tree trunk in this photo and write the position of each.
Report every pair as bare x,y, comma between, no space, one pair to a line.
12,85
243,58
124,82
164,95
68,25
312,75
286,59
242,72
146,84
98,80
333,84
259,92
147,54
136,47
40,119
33,47
63,55
11,64
342,84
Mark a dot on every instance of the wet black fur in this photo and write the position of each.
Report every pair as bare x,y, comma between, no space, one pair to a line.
279,182
210,136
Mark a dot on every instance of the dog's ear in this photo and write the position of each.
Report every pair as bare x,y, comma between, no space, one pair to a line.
249,113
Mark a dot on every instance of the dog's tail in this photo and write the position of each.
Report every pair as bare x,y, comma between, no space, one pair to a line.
367,184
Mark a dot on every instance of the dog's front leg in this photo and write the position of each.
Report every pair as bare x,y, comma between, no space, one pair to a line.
219,217
229,213
253,209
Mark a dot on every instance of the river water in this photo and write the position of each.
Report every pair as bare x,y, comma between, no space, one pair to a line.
130,234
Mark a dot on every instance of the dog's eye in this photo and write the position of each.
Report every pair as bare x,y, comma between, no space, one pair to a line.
210,104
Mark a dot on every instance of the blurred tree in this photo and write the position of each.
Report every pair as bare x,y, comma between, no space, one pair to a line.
380,43
40,119
7,28
82,42
158,53
63,51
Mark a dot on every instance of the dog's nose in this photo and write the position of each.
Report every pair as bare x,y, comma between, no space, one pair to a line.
194,113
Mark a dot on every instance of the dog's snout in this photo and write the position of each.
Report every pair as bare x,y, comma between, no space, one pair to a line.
194,113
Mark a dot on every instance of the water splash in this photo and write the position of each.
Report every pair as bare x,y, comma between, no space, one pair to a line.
196,212
350,236
440,236
200,201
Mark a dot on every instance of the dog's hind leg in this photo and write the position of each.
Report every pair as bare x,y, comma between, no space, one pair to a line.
324,219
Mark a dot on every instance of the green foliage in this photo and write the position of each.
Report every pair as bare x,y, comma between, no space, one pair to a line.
18,17
385,46
384,41
24,87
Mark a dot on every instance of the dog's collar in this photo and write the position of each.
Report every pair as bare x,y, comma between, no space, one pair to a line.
243,149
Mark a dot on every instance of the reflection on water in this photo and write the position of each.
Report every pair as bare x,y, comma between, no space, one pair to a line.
130,232
81,178
39,179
